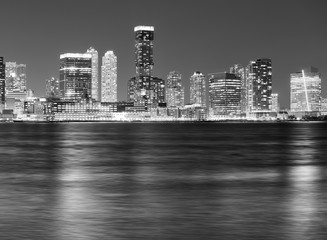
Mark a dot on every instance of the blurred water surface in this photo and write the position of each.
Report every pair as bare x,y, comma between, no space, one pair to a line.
163,181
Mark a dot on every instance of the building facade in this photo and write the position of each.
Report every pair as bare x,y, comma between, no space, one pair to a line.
174,90
75,80
198,89
131,89
274,102
144,37
259,85
305,95
2,81
109,77
240,71
225,93
15,77
52,87
95,73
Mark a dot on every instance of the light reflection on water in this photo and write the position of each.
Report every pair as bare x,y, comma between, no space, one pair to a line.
163,181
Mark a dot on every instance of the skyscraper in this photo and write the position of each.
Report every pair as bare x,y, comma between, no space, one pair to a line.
157,91
21,77
52,87
2,81
95,73
144,37
174,90
225,93
259,82
15,77
75,76
305,90
198,89
240,71
109,77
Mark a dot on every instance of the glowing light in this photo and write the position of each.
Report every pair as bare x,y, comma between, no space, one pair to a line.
76,55
143,28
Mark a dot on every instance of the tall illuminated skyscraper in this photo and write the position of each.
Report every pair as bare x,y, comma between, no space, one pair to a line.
305,90
198,89
2,81
52,87
75,76
225,93
174,90
144,37
109,77
95,73
259,84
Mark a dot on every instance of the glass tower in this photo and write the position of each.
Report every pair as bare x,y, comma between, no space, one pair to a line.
95,73
144,37
259,80
305,90
198,89
109,77
225,93
75,76
174,90
2,81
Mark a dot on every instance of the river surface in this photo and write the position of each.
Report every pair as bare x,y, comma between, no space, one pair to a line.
92,181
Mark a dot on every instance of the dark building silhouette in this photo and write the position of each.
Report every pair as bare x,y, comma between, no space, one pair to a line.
260,76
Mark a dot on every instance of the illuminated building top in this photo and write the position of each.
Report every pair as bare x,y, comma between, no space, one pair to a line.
143,28
76,55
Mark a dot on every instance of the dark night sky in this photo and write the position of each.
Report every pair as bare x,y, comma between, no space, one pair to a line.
204,35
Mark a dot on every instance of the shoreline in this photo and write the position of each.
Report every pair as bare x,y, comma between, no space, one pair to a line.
161,121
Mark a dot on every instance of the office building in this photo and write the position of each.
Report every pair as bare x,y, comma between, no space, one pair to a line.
274,102
109,77
52,87
144,37
95,73
259,85
15,77
225,93
240,71
305,90
2,81
75,81
198,89
157,91
21,77
174,90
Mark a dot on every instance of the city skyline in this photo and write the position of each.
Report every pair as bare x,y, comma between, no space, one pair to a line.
185,45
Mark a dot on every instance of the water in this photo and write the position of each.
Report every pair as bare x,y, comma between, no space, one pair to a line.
163,181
